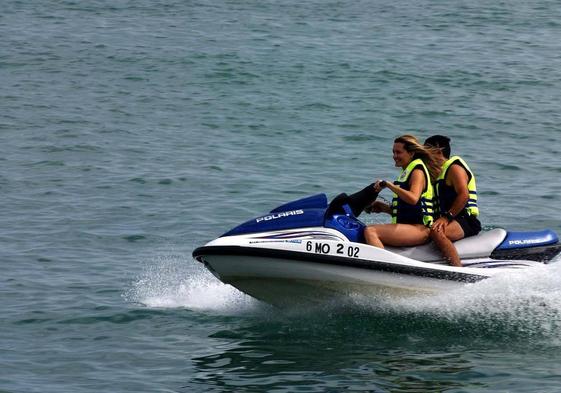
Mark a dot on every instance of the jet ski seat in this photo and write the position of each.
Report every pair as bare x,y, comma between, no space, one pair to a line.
479,246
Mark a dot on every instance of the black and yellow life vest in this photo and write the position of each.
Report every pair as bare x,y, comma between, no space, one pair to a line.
422,212
445,194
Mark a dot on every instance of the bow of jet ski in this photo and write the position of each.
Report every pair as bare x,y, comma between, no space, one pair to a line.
309,250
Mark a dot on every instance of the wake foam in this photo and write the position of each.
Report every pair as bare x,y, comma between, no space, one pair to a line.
526,302
171,281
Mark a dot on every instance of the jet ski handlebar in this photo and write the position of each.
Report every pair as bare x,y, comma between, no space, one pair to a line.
353,204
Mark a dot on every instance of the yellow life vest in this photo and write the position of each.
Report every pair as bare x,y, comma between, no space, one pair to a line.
445,195
423,211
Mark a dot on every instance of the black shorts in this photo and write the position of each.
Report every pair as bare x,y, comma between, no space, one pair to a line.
470,224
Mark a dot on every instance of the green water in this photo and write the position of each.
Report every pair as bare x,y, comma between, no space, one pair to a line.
134,131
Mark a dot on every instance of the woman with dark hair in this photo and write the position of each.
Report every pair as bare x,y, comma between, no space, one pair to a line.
412,204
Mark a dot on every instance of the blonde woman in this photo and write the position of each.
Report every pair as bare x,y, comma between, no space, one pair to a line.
412,204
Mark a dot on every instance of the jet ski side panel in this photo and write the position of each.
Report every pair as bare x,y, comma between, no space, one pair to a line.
540,246
542,238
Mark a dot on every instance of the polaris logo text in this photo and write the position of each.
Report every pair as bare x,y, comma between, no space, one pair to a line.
279,215
523,242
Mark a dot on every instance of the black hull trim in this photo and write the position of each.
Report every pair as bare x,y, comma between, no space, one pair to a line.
428,272
538,254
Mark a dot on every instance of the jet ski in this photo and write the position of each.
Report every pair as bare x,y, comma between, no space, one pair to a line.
309,250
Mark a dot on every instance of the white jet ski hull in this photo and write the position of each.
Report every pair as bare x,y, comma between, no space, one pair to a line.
308,269
285,282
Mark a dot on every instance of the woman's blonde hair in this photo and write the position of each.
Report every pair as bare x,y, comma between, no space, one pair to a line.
425,153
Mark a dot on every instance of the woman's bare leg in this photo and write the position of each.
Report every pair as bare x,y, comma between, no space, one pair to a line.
397,235
371,235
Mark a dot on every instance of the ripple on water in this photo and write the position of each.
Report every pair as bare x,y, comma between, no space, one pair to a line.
117,318
126,145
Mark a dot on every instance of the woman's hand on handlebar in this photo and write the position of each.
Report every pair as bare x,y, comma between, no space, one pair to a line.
380,185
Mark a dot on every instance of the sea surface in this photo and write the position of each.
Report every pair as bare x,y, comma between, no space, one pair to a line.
132,132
